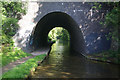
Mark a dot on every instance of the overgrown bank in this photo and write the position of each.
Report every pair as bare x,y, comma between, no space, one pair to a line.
106,56
23,70
11,13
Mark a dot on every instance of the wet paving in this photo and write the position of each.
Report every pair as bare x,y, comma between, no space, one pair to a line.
62,63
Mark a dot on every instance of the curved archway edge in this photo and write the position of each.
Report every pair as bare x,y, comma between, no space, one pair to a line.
58,19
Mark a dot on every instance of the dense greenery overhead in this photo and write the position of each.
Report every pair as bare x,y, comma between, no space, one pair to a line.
13,9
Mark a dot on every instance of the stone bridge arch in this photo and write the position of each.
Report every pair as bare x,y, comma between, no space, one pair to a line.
58,19
84,18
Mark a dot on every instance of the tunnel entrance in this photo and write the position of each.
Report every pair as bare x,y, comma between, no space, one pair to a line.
58,34
50,21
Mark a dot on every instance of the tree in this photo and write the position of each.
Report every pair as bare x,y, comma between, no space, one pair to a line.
11,13
13,9
111,21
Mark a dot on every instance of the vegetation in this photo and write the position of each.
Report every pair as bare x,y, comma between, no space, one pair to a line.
10,26
11,13
111,19
112,22
107,56
58,33
23,70
11,54
13,9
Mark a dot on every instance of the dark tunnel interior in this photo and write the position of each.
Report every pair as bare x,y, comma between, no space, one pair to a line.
58,19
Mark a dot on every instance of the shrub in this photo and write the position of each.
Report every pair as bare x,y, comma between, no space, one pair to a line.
10,26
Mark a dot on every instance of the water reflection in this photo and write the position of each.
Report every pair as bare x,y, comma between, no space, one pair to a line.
61,64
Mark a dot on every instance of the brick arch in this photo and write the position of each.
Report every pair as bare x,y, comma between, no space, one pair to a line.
58,19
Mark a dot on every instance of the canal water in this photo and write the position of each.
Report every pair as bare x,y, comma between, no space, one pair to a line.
62,63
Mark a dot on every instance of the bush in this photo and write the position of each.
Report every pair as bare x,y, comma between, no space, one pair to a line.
11,13
10,26
13,9
5,40
10,54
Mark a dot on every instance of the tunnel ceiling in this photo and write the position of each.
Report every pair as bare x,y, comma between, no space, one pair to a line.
58,19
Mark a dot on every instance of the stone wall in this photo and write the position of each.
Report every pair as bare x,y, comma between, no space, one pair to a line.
87,20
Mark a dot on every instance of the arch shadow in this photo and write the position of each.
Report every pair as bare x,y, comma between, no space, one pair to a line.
58,19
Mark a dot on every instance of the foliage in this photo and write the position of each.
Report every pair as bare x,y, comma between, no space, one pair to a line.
23,70
96,6
13,9
11,56
112,21
5,40
8,52
10,26
11,12
58,33
6,43
111,18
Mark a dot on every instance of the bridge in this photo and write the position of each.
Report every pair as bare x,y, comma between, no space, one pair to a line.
81,21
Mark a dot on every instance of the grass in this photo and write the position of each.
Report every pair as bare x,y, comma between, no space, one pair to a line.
12,56
23,70
8,52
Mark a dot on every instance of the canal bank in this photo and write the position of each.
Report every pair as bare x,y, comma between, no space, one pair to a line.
22,68
112,57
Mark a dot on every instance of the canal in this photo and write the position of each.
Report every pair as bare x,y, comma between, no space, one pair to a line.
62,63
